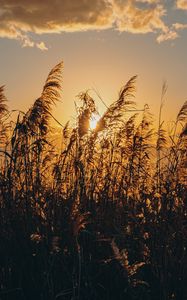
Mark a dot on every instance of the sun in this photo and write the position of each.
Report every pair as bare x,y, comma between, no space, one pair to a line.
93,121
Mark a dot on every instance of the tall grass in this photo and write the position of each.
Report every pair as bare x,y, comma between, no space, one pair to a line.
103,216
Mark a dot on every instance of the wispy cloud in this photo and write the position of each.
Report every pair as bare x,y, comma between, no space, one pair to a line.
182,4
179,26
169,35
41,46
133,19
20,18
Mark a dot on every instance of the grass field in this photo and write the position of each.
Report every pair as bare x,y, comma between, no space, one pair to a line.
103,215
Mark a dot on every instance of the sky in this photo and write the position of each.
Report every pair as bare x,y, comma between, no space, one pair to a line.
102,44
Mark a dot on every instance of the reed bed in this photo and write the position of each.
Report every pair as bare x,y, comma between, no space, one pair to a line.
103,216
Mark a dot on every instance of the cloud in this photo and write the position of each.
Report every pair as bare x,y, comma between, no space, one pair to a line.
55,16
179,26
182,4
170,35
41,46
137,20
20,18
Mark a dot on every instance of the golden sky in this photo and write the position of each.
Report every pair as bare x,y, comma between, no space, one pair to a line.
102,43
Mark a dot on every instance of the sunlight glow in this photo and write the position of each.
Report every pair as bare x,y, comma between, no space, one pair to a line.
93,121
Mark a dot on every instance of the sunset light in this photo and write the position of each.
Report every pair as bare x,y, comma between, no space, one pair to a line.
93,150
93,121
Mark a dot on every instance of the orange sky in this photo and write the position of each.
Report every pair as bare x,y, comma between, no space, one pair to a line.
102,43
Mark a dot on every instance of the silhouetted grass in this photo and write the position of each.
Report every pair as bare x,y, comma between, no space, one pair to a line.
101,217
